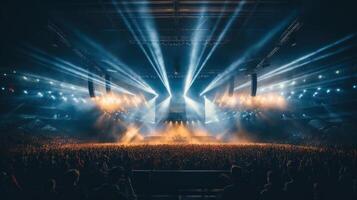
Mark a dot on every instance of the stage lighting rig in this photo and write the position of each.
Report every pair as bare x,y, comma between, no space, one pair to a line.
285,38
288,37
80,53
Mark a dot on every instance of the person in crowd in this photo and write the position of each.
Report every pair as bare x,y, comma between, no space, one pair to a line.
117,187
10,187
317,193
270,171
49,190
239,189
345,184
272,190
70,188
296,186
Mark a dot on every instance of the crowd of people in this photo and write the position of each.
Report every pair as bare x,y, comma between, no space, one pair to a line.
101,171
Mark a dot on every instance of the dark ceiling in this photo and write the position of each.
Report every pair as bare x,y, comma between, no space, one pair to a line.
30,24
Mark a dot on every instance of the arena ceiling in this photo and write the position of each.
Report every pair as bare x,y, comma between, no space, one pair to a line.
67,29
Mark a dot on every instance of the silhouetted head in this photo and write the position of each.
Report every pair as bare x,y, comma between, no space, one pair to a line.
236,173
3,177
50,185
71,177
271,177
116,173
292,169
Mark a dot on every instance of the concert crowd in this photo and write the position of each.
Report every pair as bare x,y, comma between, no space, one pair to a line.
260,172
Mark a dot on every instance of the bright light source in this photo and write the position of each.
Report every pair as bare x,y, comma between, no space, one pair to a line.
328,91
220,37
53,97
3,88
24,77
337,71
320,76
354,86
25,92
319,88
192,104
210,111
261,101
39,94
153,50
304,91
113,102
338,90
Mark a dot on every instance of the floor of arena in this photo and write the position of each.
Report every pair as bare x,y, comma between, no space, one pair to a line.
176,171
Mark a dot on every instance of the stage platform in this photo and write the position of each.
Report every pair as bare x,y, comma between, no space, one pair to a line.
178,139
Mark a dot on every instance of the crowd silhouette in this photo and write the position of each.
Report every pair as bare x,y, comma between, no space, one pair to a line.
262,172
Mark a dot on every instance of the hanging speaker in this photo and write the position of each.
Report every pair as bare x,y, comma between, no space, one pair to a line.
231,86
254,84
91,86
107,83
